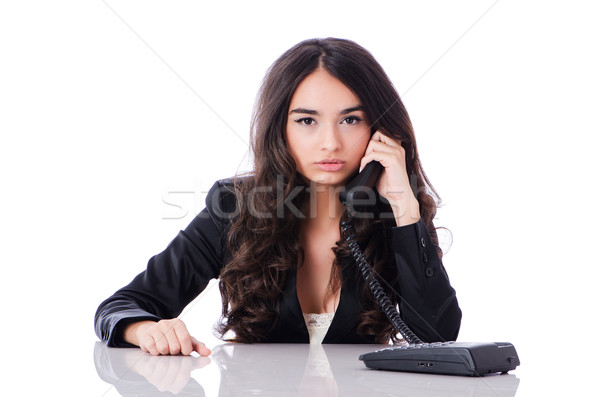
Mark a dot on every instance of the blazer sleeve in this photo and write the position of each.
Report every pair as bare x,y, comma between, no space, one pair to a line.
174,277
428,303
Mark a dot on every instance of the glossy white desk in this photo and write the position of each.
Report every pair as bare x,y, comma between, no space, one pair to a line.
279,370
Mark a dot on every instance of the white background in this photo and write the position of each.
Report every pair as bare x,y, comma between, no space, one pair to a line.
111,109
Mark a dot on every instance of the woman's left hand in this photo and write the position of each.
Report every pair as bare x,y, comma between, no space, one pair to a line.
394,183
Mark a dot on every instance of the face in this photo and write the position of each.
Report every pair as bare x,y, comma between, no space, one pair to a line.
327,131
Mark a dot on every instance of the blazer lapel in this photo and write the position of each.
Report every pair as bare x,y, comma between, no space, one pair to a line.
291,327
345,318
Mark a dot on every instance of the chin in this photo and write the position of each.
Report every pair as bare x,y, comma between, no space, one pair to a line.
327,178
330,179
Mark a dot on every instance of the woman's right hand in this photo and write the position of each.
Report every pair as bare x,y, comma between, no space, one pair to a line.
166,337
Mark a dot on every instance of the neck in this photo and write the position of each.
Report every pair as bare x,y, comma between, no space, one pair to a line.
325,209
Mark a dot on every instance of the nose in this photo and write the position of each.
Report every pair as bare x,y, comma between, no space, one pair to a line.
330,139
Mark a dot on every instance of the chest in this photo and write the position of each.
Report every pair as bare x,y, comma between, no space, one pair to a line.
317,282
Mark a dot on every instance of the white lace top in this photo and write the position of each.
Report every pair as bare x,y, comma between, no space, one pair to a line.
317,325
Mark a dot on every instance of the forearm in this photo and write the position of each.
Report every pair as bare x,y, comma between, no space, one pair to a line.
406,211
428,302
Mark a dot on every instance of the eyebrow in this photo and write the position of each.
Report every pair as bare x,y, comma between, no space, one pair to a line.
315,113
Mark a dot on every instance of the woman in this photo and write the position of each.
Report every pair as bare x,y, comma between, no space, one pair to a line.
326,108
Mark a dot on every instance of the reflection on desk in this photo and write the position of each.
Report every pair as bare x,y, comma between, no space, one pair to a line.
135,373
282,369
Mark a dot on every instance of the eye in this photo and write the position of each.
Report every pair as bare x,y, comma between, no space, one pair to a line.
305,121
352,120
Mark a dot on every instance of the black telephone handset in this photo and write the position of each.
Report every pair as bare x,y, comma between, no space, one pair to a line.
360,188
449,358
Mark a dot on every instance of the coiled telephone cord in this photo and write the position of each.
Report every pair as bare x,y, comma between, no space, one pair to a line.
374,285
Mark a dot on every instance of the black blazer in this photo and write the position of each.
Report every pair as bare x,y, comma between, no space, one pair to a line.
177,275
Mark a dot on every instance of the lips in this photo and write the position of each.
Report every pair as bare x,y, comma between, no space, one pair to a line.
330,165
331,161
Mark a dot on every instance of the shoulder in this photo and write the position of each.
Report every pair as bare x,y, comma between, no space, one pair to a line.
222,197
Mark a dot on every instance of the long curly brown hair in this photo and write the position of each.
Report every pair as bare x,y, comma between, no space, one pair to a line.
263,237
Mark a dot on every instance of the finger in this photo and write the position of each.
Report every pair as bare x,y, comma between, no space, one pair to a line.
185,339
173,341
386,159
381,137
161,342
149,344
200,347
377,146
169,336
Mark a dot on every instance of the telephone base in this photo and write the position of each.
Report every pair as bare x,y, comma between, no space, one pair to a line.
447,358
